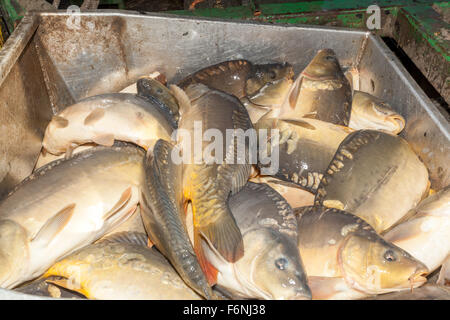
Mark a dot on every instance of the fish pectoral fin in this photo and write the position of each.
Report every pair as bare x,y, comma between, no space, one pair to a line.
60,122
295,93
94,116
225,236
124,198
208,269
69,284
54,225
69,152
300,123
104,139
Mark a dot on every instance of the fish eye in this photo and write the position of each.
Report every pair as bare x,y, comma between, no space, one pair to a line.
159,90
281,263
389,255
272,75
330,58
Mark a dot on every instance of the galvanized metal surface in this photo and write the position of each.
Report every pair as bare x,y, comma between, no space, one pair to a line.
420,28
107,50
24,106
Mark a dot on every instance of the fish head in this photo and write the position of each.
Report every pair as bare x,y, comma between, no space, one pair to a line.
277,269
269,83
153,89
376,266
56,128
324,66
13,253
366,108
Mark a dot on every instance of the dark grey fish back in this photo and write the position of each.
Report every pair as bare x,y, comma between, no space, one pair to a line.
161,214
144,91
258,205
351,157
315,221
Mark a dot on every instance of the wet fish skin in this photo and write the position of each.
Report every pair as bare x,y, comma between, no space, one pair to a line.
306,147
117,269
46,157
227,76
320,92
65,205
369,112
374,175
160,95
426,233
271,267
105,118
268,84
163,216
337,245
207,185
292,193
261,85
133,224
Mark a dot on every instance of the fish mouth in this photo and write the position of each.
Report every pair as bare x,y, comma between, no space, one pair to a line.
418,279
398,123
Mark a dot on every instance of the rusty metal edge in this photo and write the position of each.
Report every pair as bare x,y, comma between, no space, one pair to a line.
15,44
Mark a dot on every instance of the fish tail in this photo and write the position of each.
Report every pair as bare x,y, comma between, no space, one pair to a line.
224,235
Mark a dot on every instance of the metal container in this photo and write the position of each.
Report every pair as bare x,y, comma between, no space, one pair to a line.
54,59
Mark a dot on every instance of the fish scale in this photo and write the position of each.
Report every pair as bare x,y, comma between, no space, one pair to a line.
344,255
269,229
211,216
315,142
133,272
77,200
374,175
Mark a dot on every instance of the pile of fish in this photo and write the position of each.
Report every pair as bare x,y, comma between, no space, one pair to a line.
111,213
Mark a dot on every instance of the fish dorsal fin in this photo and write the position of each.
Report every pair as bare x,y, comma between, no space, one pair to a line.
54,225
137,238
94,116
182,98
60,122
124,198
104,139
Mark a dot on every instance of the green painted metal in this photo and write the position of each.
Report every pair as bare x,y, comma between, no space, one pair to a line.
245,12
427,26
11,12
